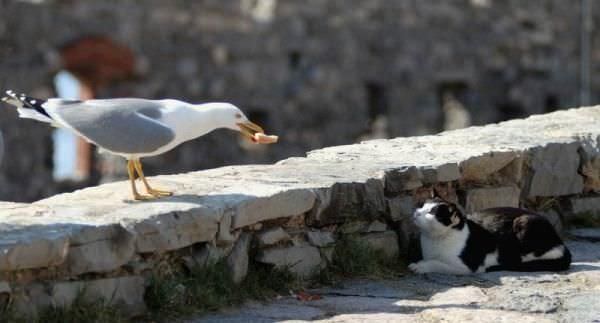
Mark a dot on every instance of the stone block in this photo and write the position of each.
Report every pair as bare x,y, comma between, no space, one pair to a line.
351,227
99,249
272,236
385,241
554,169
225,236
206,255
478,168
124,292
283,204
402,179
483,198
320,238
301,260
401,207
174,225
440,173
376,226
35,253
5,294
584,206
345,202
238,260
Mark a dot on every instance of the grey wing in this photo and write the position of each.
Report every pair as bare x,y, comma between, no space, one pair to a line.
119,125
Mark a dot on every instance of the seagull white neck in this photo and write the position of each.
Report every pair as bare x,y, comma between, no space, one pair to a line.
192,121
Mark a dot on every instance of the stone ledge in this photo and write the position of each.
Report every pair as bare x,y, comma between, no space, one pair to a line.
98,230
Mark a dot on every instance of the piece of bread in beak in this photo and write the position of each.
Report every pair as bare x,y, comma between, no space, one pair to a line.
261,138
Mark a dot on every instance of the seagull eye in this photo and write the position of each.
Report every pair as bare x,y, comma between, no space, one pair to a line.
238,116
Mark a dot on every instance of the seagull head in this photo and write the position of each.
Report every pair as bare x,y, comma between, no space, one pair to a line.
233,118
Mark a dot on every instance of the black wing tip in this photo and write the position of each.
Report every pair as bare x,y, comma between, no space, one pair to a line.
26,101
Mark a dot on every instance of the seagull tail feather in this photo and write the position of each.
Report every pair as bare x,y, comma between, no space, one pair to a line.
28,107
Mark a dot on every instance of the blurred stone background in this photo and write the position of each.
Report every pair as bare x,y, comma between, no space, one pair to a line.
315,72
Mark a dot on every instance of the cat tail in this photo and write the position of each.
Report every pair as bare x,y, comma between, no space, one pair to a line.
558,264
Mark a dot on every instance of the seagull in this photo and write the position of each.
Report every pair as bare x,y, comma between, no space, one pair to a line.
135,128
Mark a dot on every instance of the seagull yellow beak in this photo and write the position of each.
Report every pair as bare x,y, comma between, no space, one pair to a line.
249,129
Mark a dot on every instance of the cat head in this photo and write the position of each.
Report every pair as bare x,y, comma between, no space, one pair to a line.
438,216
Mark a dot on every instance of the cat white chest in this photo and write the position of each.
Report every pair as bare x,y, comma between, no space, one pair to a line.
447,248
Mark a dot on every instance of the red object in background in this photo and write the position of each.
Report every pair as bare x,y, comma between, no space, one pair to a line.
98,60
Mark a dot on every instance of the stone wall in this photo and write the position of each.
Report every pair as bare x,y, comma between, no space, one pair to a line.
293,213
318,73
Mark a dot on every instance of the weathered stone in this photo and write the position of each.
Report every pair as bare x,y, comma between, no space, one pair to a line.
513,172
225,236
482,198
346,201
207,255
284,204
302,260
174,225
272,236
320,238
99,249
327,254
478,168
33,253
456,314
5,293
584,205
353,227
401,207
4,287
125,292
237,261
526,300
555,170
459,296
385,241
31,299
376,226
440,173
582,307
402,179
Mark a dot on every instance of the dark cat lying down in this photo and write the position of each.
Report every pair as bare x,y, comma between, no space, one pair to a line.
490,240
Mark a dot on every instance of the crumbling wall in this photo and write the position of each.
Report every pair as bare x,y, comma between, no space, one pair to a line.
294,212
318,73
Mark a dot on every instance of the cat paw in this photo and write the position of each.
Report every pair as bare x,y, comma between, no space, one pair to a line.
419,267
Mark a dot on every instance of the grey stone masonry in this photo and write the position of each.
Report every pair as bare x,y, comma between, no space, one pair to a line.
100,230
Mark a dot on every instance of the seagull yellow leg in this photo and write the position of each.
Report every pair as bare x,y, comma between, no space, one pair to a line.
131,172
150,190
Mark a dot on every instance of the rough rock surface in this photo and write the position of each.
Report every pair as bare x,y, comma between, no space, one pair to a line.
302,260
482,198
571,296
386,241
238,259
272,236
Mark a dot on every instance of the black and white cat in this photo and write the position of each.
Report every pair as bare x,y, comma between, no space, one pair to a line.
494,239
